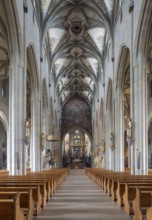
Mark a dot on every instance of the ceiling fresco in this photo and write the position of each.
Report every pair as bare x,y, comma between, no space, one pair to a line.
76,112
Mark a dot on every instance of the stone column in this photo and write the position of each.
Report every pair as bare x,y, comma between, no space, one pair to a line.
134,85
140,143
143,115
35,149
116,152
16,157
119,136
141,112
106,144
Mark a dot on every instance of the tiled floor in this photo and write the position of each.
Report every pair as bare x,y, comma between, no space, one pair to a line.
80,199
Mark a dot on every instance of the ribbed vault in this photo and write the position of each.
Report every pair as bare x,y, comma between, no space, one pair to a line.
77,31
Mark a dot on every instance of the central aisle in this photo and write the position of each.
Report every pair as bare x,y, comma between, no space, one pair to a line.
79,198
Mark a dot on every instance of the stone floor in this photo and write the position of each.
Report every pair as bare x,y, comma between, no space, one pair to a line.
79,198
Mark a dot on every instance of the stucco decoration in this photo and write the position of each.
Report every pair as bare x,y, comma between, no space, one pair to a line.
76,112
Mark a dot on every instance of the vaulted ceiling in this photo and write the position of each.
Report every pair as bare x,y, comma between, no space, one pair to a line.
77,32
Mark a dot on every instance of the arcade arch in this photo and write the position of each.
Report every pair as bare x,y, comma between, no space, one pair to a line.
124,111
32,92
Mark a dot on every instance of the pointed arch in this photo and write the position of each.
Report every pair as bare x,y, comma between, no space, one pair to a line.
34,106
123,108
13,27
143,36
124,56
32,66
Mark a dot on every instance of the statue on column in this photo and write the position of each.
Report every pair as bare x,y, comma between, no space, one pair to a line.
43,141
112,141
86,150
27,131
129,128
103,146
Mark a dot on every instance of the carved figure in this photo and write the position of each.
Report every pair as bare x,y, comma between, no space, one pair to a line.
27,131
112,141
129,128
43,140
103,146
28,128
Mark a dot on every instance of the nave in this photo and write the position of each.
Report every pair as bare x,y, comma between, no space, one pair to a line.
80,198
75,93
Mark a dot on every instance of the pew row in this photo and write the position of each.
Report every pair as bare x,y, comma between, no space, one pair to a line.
142,202
10,209
34,190
26,201
132,193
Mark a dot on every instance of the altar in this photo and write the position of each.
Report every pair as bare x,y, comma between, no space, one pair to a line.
76,149
76,163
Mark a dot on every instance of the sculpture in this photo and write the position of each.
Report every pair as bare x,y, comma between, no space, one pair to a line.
129,128
112,141
27,131
43,141
28,128
103,146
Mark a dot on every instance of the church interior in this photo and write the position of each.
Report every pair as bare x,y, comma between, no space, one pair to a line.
75,109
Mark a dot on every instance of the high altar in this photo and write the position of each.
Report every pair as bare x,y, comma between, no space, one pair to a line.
76,148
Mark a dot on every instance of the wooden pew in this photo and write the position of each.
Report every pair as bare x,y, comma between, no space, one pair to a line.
130,195
10,209
118,185
56,176
115,185
49,177
43,185
107,179
149,213
36,195
100,176
22,182
122,187
112,184
26,201
46,177
142,201
110,181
